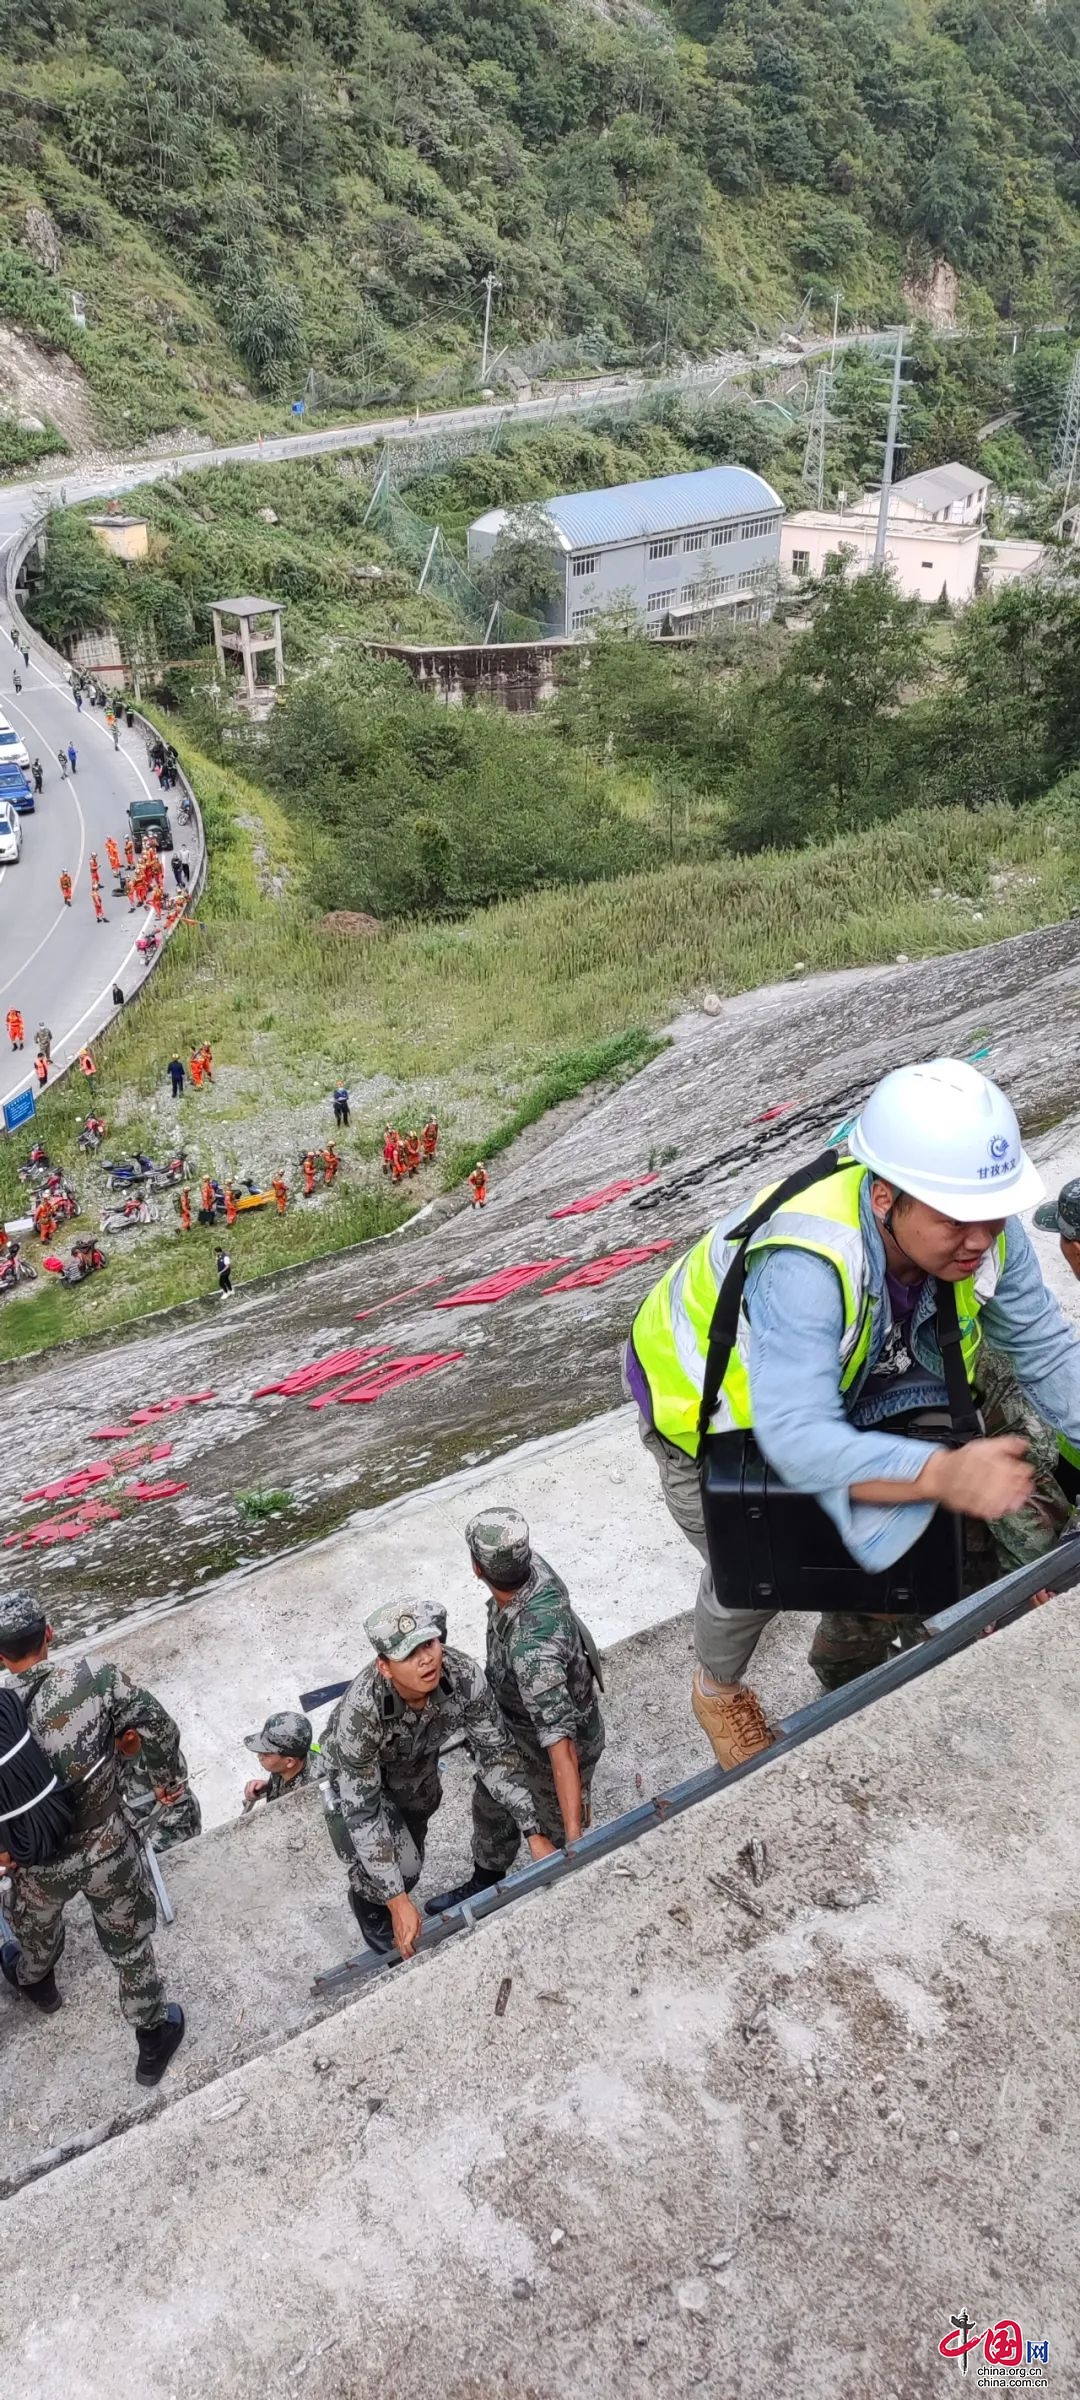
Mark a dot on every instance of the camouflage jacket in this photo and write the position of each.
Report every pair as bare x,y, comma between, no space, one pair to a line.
77,1709
276,1785
378,1749
538,1669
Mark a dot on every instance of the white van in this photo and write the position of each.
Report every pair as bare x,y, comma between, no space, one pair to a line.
13,752
10,835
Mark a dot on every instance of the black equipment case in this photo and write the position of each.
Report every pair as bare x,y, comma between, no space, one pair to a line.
771,1547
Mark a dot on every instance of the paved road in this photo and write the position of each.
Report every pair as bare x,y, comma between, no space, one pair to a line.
58,962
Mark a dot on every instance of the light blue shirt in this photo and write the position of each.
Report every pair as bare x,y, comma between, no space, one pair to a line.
820,1441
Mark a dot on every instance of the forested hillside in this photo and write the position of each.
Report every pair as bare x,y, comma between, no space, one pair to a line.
251,191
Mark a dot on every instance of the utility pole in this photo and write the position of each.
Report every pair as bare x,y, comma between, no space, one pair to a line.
813,473
491,284
835,330
890,449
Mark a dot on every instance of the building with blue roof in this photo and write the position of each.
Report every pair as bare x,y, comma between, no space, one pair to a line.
678,550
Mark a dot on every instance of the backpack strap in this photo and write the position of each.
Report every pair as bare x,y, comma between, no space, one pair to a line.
589,1647
725,1319
966,1423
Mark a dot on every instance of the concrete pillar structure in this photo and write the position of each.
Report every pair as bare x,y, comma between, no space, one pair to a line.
248,638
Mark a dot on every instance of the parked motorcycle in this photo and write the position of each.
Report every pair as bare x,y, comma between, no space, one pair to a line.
14,1271
123,1220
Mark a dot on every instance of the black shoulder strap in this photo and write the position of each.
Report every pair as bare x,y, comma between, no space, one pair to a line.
965,1416
725,1322
589,1647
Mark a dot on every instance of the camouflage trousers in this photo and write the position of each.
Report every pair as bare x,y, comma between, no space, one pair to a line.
164,1827
495,1838
108,1868
496,1834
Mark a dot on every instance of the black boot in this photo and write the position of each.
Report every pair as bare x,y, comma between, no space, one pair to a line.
375,1923
482,1879
43,1993
157,2044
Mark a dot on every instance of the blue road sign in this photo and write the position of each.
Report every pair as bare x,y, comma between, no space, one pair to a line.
19,1111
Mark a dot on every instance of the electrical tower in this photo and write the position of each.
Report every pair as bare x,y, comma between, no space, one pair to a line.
890,447
1067,440
813,471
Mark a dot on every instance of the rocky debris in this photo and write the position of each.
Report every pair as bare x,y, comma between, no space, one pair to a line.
351,921
267,516
42,239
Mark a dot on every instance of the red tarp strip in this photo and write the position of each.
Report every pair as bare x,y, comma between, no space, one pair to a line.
604,1197
500,1285
321,1370
154,1491
401,1370
410,1290
601,1270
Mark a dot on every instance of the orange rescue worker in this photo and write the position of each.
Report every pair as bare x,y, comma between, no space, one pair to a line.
65,888
185,1211
280,1190
390,1143
398,1167
412,1152
41,1070
112,853
157,902
478,1180
95,870
207,1195
99,911
331,1162
16,1034
206,1054
45,1220
196,1069
129,853
231,1211
86,1062
430,1138
309,1174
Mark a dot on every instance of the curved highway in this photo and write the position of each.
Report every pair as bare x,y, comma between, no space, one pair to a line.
57,963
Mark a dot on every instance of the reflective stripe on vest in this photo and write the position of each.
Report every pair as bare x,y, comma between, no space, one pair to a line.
670,1333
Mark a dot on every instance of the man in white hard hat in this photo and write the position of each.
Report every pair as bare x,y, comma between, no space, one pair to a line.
837,1336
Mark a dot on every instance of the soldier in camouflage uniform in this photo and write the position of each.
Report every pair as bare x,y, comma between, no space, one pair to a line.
382,1748
283,1747
79,1712
845,1646
544,1674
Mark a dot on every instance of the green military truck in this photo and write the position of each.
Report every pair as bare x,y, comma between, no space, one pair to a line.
149,821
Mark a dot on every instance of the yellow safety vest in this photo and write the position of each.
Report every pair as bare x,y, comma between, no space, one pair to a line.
670,1333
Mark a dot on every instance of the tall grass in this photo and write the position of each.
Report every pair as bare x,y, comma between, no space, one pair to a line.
494,1018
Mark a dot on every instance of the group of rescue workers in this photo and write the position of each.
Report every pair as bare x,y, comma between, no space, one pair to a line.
874,1330
404,1153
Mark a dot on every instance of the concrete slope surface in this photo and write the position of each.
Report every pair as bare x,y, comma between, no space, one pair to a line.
738,2138
533,1364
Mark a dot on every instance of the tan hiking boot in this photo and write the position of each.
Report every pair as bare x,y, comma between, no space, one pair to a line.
734,1720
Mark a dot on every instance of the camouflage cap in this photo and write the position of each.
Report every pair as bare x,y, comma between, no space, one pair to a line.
1063,1214
400,1626
499,1542
19,1613
286,1734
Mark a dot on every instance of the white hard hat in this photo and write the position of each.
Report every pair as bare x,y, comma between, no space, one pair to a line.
945,1134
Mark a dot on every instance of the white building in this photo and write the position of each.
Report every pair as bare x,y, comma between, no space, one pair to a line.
934,535
926,558
952,495
683,550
